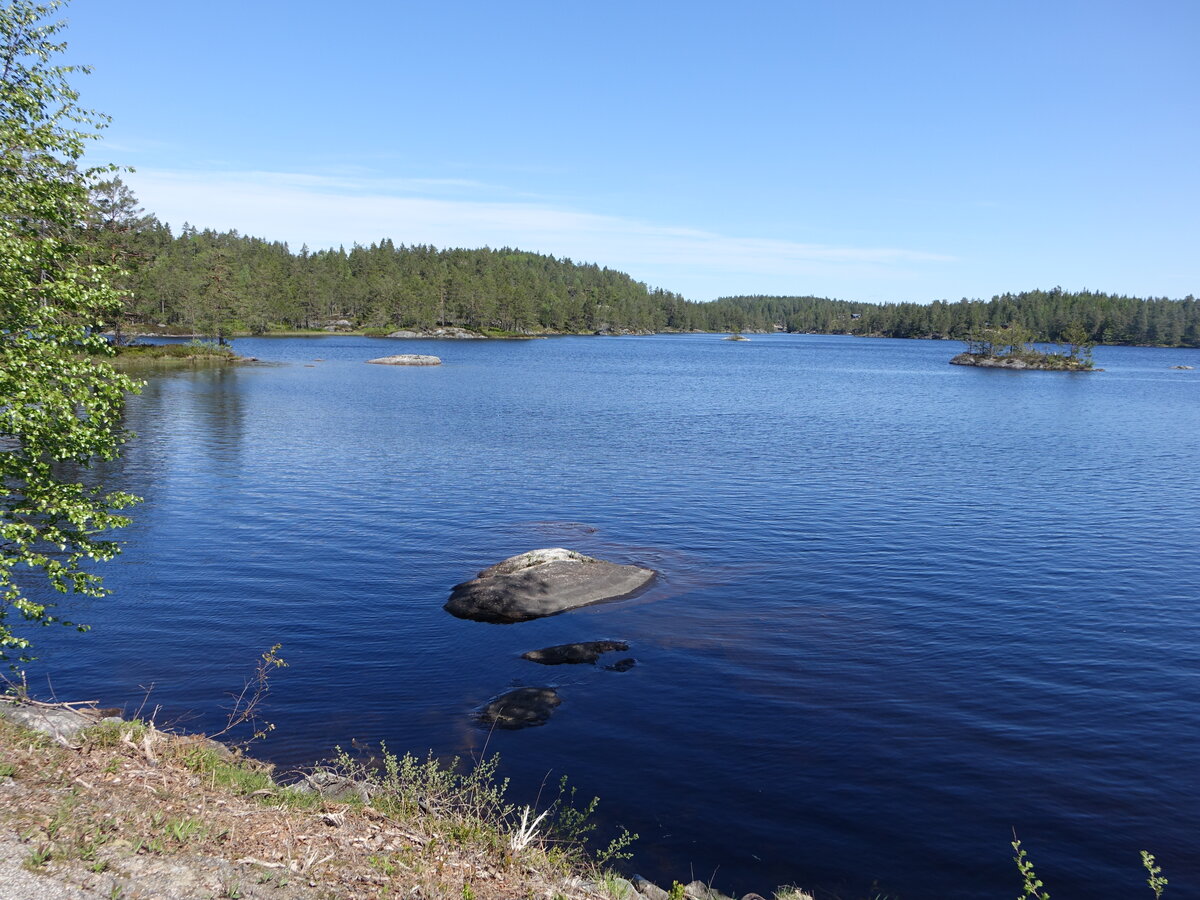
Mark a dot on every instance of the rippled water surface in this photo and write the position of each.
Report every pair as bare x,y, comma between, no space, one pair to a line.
905,607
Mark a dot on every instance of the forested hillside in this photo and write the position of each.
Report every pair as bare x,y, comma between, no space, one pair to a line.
208,282
220,283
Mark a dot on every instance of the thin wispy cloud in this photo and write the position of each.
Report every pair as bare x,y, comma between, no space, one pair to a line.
328,210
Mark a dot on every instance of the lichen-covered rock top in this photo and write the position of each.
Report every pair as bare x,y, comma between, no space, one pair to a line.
533,559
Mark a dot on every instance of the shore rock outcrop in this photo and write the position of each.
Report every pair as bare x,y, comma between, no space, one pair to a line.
543,583
407,359
449,331
62,722
524,707
583,652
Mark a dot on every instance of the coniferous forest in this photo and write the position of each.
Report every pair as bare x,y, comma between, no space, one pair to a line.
222,283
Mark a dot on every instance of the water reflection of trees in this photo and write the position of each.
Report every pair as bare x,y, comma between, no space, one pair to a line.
184,424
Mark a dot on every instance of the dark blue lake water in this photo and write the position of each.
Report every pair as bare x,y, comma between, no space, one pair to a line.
905,607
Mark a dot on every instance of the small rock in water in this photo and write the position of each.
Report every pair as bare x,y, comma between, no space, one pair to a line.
407,359
585,652
622,665
521,708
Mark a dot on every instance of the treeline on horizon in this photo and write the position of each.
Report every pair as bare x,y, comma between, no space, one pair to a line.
220,283
1050,315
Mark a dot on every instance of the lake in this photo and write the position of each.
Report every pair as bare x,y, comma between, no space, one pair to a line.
904,608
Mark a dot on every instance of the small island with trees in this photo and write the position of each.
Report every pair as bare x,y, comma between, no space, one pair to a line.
1011,347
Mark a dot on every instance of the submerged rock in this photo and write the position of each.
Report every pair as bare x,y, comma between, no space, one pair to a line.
407,359
521,708
584,652
622,665
543,583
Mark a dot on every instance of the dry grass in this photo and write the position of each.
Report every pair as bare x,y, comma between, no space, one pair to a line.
135,812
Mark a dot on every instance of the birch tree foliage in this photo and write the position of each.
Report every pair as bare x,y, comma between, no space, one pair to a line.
60,406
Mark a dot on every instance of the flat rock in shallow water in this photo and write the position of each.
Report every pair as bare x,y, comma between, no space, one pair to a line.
406,359
521,708
543,583
585,652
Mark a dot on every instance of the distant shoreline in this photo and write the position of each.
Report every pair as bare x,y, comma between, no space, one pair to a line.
535,335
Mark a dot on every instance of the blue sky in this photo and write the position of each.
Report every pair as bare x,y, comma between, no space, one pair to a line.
863,150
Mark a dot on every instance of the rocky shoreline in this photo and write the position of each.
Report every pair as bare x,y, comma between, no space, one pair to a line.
100,807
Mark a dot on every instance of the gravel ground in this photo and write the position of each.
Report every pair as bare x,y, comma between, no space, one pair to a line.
18,883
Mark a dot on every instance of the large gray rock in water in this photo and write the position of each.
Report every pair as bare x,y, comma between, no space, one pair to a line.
543,583
406,359
521,708
585,652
